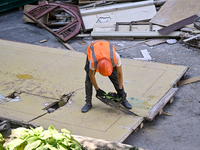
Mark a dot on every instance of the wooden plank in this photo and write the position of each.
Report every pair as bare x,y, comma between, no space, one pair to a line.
146,56
155,42
156,109
191,80
177,25
67,45
191,38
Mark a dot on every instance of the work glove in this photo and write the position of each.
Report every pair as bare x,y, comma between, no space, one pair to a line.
100,93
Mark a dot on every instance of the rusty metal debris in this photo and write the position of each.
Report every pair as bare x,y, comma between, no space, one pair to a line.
70,20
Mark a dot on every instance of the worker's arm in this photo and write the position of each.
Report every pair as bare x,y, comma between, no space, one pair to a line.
120,76
93,79
100,92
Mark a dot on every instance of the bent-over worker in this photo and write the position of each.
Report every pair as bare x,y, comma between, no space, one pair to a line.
102,57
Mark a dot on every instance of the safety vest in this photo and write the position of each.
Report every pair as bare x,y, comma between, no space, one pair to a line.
100,49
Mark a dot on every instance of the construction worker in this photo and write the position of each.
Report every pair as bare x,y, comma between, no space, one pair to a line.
102,58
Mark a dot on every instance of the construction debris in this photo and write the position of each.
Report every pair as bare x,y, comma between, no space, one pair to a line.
187,81
177,25
146,56
190,39
42,41
145,10
155,42
171,41
65,17
176,10
111,19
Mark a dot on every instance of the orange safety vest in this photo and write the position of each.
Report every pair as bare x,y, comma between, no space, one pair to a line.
100,49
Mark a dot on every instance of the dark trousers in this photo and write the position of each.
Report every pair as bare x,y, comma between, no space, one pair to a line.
89,87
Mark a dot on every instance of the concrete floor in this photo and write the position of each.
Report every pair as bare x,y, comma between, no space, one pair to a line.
179,131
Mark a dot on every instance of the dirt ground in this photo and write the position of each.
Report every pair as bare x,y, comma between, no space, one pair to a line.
179,131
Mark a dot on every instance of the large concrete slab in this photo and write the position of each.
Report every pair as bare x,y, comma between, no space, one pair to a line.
44,74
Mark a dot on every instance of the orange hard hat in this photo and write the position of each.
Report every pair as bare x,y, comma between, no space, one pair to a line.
104,66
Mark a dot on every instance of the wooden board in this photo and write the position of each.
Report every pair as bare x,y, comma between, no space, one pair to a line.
177,25
43,19
176,10
155,42
187,81
56,72
118,13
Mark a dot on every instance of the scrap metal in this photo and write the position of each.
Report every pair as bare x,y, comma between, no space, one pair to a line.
64,33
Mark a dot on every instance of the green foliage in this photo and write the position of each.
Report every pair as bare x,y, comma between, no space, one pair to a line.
1,141
40,139
134,148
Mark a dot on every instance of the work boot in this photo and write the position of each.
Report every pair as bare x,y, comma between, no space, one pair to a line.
126,104
86,107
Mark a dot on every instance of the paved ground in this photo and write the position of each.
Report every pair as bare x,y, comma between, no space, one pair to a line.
180,131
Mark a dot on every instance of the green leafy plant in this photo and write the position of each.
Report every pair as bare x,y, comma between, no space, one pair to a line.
1,141
40,139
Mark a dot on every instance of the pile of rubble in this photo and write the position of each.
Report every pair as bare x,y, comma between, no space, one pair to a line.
160,19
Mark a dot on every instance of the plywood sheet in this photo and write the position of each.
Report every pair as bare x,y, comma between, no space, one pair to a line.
176,10
56,72
26,108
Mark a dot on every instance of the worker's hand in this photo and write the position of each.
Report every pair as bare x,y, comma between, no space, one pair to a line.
120,92
100,93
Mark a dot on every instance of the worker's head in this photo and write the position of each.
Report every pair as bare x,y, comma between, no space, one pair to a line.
105,67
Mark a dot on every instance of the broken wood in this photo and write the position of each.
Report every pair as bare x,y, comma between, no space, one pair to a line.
191,38
146,56
68,46
42,41
164,113
155,42
191,80
43,19
177,25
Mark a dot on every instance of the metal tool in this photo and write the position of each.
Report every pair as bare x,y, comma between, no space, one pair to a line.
115,102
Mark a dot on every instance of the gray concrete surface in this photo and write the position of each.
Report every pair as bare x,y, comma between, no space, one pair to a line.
178,132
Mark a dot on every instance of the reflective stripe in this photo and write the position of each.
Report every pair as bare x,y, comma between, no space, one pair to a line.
93,55
112,55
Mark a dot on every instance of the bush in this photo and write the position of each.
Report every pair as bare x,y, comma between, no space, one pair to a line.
40,139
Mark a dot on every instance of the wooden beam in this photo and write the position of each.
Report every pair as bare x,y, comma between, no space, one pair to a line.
163,101
191,38
177,25
144,34
191,80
